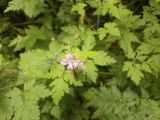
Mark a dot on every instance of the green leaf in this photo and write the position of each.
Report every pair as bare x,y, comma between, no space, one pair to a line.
60,87
93,3
134,71
90,71
112,29
84,55
14,93
56,112
68,76
71,35
110,103
4,24
154,62
33,34
15,5
37,92
102,58
157,0
23,107
79,7
19,42
57,70
126,43
146,67
124,13
31,7
107,6
155,45
34,64
6,111
102,33
144,48
89,40
114,11
70,29
55,48
131,37
29,110
90,93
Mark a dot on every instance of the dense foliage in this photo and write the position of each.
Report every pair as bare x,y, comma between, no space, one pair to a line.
117,40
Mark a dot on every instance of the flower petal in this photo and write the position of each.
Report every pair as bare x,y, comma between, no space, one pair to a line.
74,64
79,62
69,56
71,65
64,62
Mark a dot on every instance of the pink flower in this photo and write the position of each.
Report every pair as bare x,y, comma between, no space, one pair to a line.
74,64
69,57
70,62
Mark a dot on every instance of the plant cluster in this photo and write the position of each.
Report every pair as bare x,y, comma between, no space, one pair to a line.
79,60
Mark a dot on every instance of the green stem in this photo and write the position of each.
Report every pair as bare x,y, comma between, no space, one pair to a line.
106,73
98,17
11,86
17,29
98,21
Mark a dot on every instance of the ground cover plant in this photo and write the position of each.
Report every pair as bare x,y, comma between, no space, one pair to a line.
79,60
